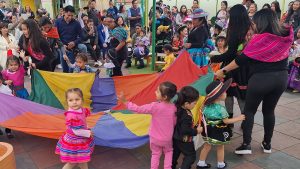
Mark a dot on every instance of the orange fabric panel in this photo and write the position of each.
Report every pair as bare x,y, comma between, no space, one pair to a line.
49,126
132,85
176,74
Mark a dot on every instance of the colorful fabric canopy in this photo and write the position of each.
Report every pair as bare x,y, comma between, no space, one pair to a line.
43,115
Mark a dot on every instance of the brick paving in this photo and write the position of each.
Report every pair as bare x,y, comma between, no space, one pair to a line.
33,152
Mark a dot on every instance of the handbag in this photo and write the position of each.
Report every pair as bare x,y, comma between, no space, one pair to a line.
198,141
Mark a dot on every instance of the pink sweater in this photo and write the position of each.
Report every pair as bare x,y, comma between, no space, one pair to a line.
163,118
17,77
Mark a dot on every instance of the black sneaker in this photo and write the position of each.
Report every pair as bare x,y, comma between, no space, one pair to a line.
10,135
1,132
266,147
243,149
140,67
207,166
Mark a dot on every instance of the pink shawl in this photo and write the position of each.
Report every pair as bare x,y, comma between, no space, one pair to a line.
268,47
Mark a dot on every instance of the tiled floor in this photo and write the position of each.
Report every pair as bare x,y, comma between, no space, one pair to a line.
38,153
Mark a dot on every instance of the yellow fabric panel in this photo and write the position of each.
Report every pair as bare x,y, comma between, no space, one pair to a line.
30,3
59,83
136,123
139,123
197,113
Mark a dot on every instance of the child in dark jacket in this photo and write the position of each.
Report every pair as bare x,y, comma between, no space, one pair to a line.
185,128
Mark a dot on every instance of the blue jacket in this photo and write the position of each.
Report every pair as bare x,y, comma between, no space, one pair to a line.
101,35
69,32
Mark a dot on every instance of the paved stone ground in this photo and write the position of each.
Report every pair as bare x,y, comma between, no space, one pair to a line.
33,152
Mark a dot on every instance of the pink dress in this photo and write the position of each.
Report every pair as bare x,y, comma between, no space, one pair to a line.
72,148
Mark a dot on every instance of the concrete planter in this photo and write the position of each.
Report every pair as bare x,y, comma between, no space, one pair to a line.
7,158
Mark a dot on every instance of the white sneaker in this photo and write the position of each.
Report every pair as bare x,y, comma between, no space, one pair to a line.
59,66
109,65
100,63
96,64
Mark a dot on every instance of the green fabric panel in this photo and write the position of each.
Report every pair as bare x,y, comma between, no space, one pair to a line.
203,82
41,93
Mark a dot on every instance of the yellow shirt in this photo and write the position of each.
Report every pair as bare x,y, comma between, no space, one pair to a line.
169,59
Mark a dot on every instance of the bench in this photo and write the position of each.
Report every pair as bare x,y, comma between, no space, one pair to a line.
148,59
159,62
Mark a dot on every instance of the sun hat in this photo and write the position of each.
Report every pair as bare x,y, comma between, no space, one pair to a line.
199,13
215,89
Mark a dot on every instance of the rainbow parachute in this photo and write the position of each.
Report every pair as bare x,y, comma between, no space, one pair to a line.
43,115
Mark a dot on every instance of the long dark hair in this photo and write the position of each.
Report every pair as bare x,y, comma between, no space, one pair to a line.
266,21
239,24
205,24
277,7
3,25
121,8
291,11
35,35
180,11
266,5
116,21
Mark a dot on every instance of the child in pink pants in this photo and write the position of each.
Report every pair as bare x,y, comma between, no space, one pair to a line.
162,124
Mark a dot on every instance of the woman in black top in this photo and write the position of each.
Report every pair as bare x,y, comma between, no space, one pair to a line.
267,57
199,43
36,46
118,51
239,24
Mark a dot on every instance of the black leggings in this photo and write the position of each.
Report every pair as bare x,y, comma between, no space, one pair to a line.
266,88
95,54
188,150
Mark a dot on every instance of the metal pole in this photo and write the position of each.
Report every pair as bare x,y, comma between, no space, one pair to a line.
143,12
283,7
153,35
217,6
146,15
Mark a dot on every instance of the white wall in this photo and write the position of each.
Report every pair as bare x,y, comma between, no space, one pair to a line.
210,5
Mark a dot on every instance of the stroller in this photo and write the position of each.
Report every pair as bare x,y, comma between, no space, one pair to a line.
294,81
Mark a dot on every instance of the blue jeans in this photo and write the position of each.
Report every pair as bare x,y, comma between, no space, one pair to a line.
82,48
139,57
64,64
70,53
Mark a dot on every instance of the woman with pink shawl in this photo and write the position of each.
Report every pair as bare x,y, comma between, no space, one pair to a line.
267,57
